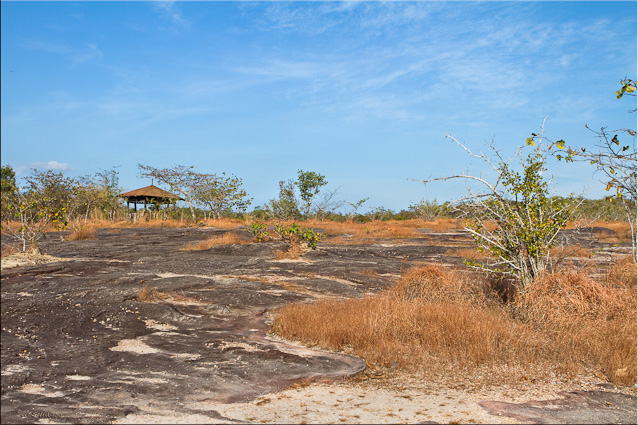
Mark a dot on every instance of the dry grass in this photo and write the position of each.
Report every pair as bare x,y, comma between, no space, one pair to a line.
82,233
223,223
151,295
227,238
570,251
468,254
592,321
365,233
8,250
620,231
444,321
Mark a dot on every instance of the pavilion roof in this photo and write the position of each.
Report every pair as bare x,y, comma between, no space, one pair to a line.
149,192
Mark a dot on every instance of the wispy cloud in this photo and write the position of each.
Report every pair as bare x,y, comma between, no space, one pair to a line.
75,54
38,165
170,12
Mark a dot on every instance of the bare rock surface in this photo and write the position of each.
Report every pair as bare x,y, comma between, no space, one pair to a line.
80,344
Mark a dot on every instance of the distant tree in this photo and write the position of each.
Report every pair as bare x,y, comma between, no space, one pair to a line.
327,204
7,179
285,207
180,179
355,207
221,194
45,201
309,184
108,184
427,210
8,187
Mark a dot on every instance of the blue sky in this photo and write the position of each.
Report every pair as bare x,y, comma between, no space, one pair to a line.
362,92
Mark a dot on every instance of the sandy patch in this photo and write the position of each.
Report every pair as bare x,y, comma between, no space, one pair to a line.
20,259
40,390
134,346
153,324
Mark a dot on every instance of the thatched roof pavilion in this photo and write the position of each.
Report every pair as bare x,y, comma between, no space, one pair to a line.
149,195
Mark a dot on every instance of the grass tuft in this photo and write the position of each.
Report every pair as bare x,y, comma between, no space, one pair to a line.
224,239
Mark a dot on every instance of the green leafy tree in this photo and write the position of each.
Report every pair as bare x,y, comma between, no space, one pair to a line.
7,179
8,188
44,202
309,184
222,194
514,218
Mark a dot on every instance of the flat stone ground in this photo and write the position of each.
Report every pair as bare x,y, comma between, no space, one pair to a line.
79,347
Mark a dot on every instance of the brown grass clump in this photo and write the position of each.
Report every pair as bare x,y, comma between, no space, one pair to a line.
82,233
593,322
224,239
150,295
440,320
469,254
294,251
392,330
8,250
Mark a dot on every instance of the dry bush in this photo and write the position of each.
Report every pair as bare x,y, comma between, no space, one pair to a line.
225,239
150,295
82,233
293,251
445,321
147,295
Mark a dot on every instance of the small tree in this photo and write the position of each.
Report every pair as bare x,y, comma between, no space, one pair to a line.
286,207
43,203
180,179
221,194
514,219
7,187
309,184
427,210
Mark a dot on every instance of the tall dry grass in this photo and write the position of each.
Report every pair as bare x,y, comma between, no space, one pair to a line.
359,232
446,322
227,238
82,233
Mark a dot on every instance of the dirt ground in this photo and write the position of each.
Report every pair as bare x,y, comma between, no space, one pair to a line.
78,346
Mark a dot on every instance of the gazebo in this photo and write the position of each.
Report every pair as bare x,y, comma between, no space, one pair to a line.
148,195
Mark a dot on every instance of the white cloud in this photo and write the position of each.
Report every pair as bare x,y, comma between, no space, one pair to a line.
168,11
51,165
